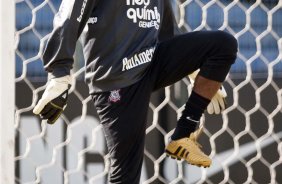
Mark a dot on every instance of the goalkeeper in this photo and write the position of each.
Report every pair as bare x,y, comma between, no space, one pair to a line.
131,49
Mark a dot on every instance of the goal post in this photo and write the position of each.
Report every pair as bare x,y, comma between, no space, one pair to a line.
7,91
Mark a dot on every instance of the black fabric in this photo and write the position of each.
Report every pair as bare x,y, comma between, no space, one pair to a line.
123,111
124,124
195,106
212,51
190,118
184,128
111,34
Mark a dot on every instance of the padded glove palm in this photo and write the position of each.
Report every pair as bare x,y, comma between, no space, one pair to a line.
54,99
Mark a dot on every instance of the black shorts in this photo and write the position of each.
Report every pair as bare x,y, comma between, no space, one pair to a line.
123,112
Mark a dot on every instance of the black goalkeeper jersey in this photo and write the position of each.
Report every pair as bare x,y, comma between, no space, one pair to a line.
119,38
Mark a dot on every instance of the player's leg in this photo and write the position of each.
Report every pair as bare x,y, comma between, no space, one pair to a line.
187,148
123,115
214,53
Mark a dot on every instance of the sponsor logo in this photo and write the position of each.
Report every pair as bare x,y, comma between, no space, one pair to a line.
188,118
138,59
92,20
114,96
143,15
82,11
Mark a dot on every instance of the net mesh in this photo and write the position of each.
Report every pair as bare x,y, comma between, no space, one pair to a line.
244,142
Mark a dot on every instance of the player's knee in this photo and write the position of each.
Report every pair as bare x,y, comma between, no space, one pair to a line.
226,42
226,45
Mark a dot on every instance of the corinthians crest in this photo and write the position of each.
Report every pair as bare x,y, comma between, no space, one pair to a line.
114,96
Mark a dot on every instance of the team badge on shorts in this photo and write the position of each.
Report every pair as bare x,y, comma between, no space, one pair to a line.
114,96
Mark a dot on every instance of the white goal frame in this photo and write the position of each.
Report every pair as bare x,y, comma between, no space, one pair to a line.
7,91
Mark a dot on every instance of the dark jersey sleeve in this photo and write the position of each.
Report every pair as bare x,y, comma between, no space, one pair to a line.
169,26
69,23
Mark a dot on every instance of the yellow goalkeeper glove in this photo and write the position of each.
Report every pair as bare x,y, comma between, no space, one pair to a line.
54,99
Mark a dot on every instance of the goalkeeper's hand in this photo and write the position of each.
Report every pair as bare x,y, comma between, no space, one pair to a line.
218,102
54,99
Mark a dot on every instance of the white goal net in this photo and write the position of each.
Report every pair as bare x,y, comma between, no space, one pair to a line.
244,141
